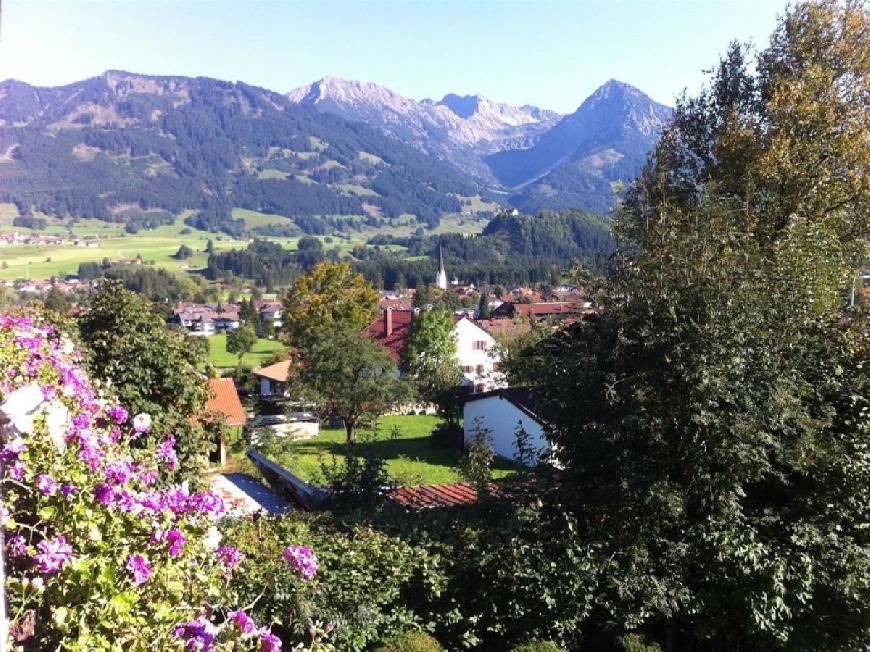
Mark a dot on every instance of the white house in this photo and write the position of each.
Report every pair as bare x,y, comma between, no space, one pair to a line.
475,348
501,411
477,355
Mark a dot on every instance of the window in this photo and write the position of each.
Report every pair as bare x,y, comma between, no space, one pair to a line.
480,369
496,366
469,369
479,345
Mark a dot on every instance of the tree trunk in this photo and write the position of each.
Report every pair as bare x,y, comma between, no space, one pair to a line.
350,428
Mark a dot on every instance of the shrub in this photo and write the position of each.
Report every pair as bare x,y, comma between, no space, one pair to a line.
362,586
410,641
101,553
537,646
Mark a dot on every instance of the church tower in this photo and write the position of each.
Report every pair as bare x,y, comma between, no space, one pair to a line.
441,276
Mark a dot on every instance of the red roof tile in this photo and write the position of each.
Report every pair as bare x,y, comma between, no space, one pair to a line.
434,496
225,401
401,327
279,371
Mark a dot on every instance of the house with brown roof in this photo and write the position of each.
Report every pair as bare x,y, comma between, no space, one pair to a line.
273,378
537,311
223,404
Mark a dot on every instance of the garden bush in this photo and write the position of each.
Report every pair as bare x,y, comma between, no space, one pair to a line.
364,582
101,552
410,641
537,646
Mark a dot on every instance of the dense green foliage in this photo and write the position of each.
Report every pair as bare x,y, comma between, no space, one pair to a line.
713,418
362,582
151,369
330,296
429,359
136,149
349,376
512,250
537,646
411,641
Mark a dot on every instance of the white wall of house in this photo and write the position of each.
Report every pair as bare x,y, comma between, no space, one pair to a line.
501,417
475,351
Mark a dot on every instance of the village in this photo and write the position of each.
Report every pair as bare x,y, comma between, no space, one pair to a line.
265,398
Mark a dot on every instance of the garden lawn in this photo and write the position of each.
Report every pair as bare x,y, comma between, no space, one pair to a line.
412,458
222,359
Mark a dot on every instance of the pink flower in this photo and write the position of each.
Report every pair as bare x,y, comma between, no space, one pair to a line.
302,560
17,545
117,414
229,556
54,553
243,621
176,540
139,568
166,452
269,642
46,484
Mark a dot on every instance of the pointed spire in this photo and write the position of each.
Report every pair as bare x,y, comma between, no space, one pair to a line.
441,276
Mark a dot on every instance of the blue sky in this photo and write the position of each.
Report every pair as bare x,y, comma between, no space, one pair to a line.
551,54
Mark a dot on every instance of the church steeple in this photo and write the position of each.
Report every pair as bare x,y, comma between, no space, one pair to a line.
441,276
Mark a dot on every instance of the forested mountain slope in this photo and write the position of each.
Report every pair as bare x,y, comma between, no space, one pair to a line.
135,148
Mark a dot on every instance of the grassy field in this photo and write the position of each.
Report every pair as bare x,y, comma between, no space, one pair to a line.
155,246
412,458
220,358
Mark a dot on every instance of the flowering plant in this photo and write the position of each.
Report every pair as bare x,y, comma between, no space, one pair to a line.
99,555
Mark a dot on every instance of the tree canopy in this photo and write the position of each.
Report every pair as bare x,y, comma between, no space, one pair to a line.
712,419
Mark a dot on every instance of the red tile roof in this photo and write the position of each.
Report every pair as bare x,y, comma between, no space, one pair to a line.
279,371
225,401
395,341
510,309
433,496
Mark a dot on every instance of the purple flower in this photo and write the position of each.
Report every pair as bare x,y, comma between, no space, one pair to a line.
269,642
302,560
54,553
118,471
17,545
140,569
166,452
243,621
12,449
103,494
148,477
117,414
229,556
67,490
16,471
176,540
46,484
197,634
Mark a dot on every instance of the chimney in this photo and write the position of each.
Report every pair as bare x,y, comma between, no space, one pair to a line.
388,322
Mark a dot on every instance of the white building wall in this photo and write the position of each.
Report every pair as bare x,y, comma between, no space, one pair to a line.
466,333
501,417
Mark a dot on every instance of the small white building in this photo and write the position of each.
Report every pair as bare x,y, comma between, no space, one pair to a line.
477,356
501,411
273,378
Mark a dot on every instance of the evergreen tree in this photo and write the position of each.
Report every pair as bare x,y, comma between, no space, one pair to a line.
712,419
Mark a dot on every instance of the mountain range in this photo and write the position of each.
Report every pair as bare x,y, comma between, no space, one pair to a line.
135,148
